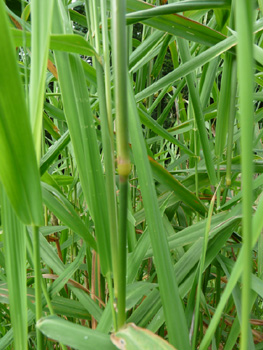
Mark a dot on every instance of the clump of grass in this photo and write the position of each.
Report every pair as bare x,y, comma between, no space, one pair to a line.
131,192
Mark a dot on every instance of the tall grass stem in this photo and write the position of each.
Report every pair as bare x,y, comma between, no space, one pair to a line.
120,66
244,17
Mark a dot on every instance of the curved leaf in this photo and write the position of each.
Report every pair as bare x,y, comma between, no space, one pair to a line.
132,337
175,8
178,25
61,42
74,335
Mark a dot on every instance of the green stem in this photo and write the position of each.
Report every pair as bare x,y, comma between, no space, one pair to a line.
121,301
106,54
44,289
196,151
244,21
111,293
37,267
218,189
119,49
231,120
201,268
120,79
108,142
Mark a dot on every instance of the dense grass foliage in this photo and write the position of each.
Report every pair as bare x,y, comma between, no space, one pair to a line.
131,174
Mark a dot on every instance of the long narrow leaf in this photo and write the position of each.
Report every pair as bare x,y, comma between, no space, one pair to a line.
74,335
172,304
15,258
18,171
83,137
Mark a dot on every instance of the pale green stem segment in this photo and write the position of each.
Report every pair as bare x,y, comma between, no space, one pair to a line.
120,79
196,160
122,254
120,66
244,22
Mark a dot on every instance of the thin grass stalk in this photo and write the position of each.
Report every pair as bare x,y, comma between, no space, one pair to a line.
232,114
209,78
236,326
106,62
158,99
225,101
196,151
223,107
37,269
234,277
93,286
236,294
123,202
120,65
29,247
244,21
120,79
166,110
218,188
217,299
43,285
201,268
132,240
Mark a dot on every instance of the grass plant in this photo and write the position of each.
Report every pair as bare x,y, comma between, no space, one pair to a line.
131,174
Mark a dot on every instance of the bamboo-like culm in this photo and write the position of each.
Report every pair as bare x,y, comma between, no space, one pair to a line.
119,50
244,22
104,94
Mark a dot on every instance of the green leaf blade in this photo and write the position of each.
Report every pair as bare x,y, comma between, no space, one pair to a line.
19,171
